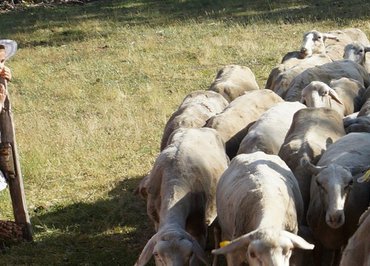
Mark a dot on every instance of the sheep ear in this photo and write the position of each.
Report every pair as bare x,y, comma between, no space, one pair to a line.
367,49
333,94
199,252
197,249
312,168
147,252
297,241
142,188
330,37
241,242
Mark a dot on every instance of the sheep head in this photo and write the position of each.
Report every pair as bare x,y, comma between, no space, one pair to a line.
318,94
356,52
333,182
266,246
314,43
172,247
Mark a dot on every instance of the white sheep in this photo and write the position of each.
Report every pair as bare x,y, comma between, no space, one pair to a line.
233,81
326,47
314,43
284,79
259,206
357,52
334,47
232,123
268,132
312,53
311,132
326,73
181,196
196,108
343,95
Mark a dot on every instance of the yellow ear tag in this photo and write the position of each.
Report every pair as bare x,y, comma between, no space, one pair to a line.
224,243
365,177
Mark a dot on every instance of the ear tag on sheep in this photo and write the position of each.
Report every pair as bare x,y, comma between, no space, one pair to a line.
365,177
224,243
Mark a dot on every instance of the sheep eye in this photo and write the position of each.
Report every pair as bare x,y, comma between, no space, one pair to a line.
252,255
361,51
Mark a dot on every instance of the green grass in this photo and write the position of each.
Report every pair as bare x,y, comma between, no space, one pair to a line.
93,88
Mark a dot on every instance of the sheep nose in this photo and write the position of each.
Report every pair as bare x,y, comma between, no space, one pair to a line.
336,219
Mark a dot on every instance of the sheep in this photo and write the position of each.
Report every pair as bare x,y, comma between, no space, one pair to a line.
358,124
284,79
295,62
365,103
232,123
181,196
339,162
357,52
233,81
326,47
311,132
268,132
357,251
336,198
361,121
326,73
330,43
342,95
334,49
275,72
314,43
258,208
196,108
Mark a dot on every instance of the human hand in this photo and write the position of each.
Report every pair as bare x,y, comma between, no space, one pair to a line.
5,72
2,95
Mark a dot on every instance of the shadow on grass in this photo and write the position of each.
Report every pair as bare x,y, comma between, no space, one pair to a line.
106,232
156,13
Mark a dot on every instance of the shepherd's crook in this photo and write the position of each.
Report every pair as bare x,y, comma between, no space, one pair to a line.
9,160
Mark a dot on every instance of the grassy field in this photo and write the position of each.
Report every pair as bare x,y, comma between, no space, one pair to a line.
93,88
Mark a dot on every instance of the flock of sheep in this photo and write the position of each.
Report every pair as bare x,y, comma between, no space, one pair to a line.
278,172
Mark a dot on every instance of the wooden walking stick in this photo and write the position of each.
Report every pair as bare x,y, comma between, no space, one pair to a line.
9,160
